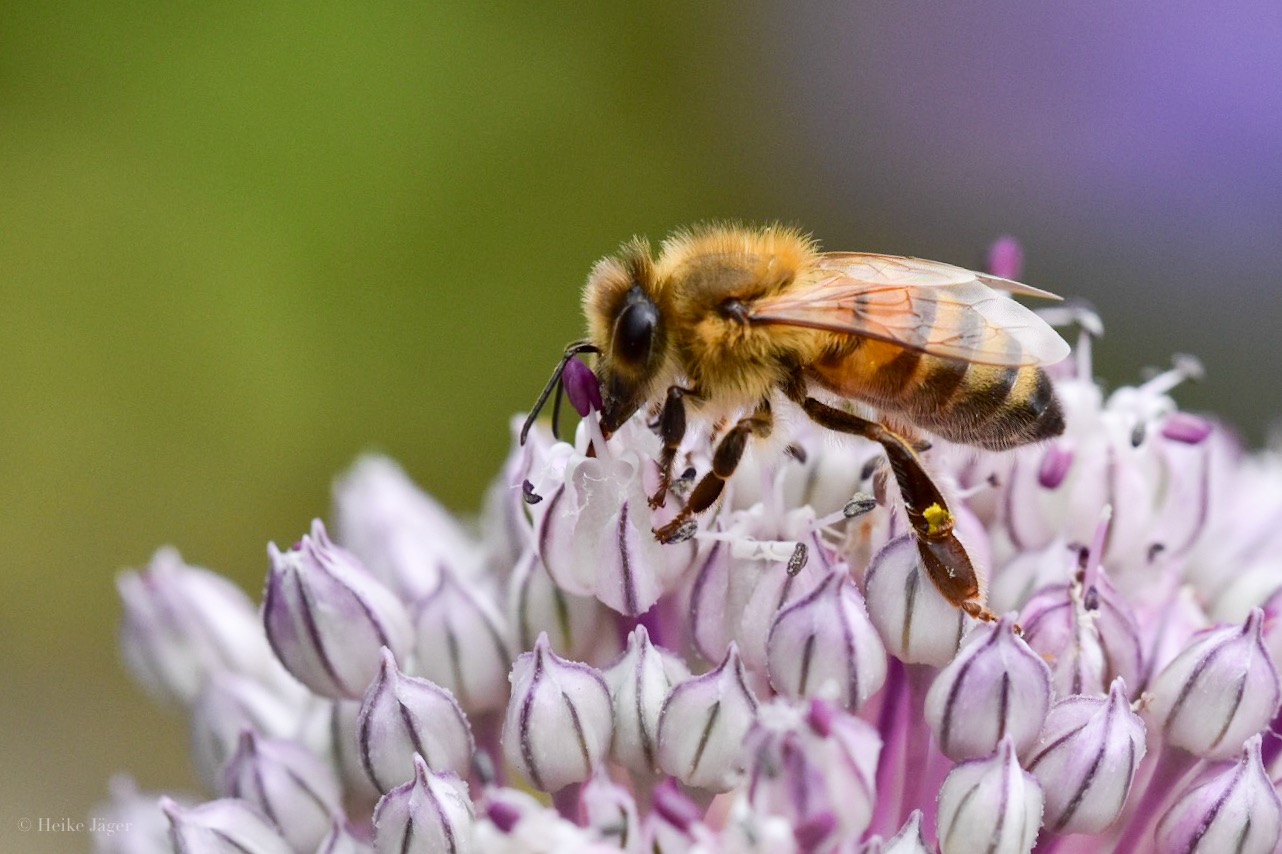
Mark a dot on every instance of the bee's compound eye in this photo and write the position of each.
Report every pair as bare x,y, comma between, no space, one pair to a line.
634,331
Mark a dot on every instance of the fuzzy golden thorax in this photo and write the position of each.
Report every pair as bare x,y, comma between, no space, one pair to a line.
700,286
707,277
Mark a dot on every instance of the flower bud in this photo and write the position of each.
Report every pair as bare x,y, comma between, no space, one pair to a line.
639,682
989,805
228,826
827,640
458,620
228,706
288,784
1232,806
916,623
579,626
559,722
1219,692
995,688
703,724
148,827
1089,636
342,840
398,532
429,814
327,617
182,624
908,840
610,811
404,716
1085,760
816,766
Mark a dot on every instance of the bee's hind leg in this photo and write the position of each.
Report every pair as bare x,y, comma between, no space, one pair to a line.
725,459
943,556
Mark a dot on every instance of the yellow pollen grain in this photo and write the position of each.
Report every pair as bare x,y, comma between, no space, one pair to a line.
937,518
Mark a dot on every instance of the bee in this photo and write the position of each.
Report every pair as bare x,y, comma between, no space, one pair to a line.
735,319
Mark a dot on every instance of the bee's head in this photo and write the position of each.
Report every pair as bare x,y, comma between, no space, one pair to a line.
626,323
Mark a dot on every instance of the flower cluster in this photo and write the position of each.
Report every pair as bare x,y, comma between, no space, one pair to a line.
786,680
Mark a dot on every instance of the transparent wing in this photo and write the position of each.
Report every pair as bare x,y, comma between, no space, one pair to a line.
923,305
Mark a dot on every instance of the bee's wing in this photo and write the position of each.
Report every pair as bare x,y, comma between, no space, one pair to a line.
923,305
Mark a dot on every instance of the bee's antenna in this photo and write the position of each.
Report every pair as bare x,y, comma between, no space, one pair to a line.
554,382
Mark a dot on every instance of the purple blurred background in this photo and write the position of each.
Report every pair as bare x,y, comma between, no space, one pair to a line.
1135,150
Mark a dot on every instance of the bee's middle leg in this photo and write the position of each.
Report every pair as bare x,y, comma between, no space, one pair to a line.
725,459
672,429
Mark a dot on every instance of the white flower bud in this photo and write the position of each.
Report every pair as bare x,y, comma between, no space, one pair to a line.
148,826
1085,760
403,716
559,720
989,805
995,688
703,725
580,627
461,644
1089,636
430,814
228,706
916,623
611,812
595,535
1219,692
327,617
825,641
399,533
908,840
824,752
228,826
289,784
182,624
639,682
1232,806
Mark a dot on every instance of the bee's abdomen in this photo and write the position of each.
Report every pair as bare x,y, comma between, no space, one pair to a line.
986,405
990,406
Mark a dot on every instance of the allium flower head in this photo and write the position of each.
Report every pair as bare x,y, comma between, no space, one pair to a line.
785,677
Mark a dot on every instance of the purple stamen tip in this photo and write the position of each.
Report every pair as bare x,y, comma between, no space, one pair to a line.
503,815
814,832
1006,258
819,716
1055,466
1186,428
674,807
581,387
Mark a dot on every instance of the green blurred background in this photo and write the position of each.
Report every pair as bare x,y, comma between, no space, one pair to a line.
241,243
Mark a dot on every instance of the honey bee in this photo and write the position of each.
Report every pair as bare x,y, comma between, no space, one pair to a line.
734,319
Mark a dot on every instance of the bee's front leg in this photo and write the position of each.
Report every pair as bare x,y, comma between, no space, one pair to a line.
725,459
672,429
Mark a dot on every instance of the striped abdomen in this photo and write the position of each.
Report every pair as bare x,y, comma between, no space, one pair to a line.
990,406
